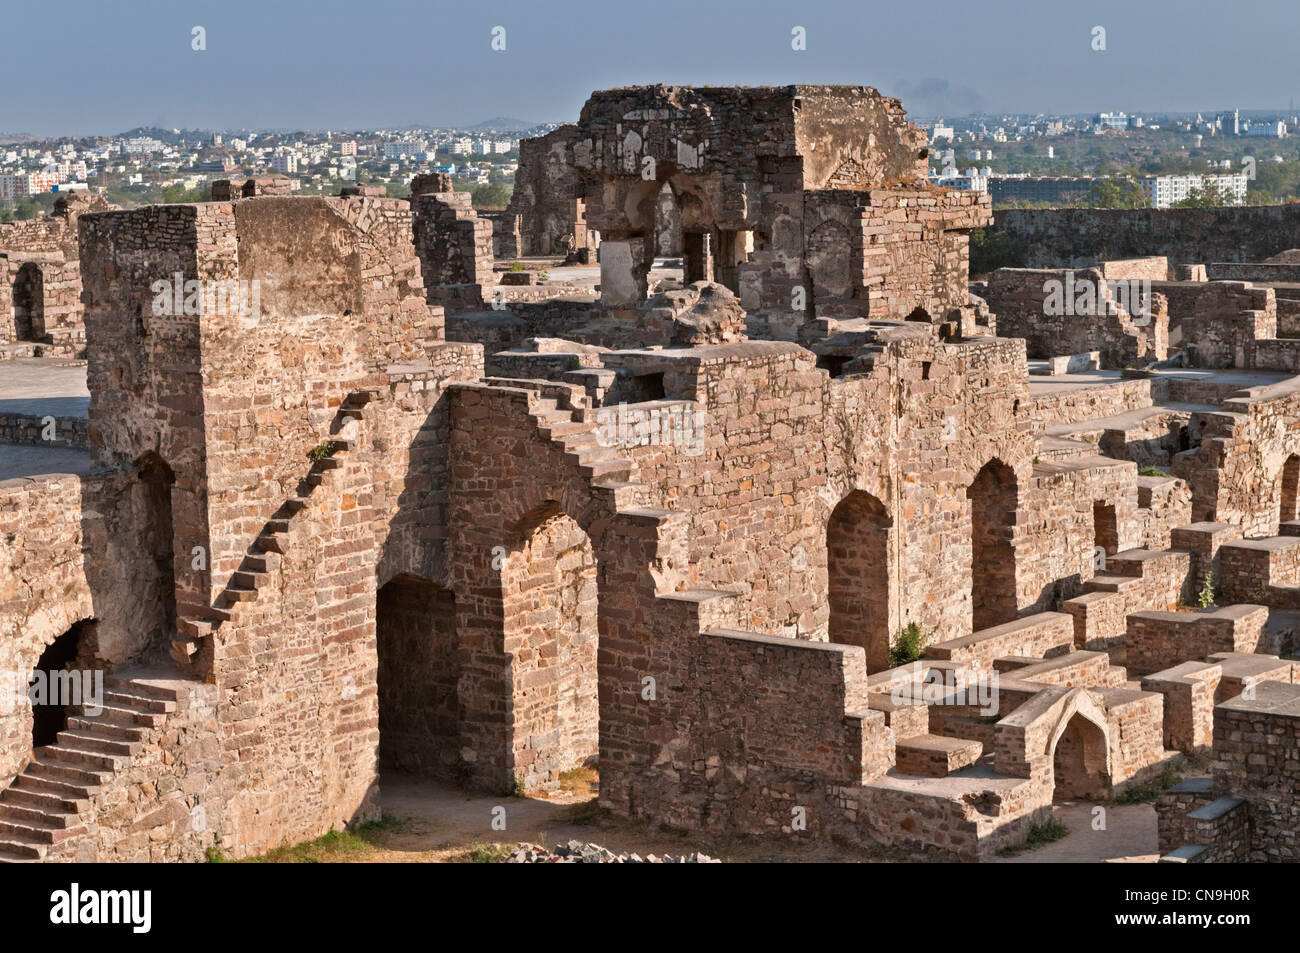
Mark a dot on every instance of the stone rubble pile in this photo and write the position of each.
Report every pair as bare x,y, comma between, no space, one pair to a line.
576,852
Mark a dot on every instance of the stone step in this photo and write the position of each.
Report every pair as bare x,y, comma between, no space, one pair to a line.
273,542
195,629
17,849
92,741
262,562
1109,582
615,469
47,768
1184,854
567,431
152,687
34,816
247,579
106,729
115,716
47,801
37,832
137,699
627,493
144,687
64,790
236,594
84,758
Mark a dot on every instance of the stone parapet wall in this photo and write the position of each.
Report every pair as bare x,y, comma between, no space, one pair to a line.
1069,237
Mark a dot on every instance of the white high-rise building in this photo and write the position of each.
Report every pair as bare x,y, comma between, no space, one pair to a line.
1166,190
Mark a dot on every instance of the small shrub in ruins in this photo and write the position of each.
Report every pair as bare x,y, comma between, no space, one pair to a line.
1207,596
908,645
322,450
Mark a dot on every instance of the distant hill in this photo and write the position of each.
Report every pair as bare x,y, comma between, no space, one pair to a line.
7,138
153,132
504,125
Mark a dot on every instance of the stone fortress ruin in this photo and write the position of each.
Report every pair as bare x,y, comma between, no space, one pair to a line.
411,510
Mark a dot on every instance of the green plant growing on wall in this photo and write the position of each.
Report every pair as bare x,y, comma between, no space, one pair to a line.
322,450
1207,596
908,645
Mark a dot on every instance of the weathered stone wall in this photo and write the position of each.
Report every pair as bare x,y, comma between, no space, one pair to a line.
549,587
454,244
168,803
40,279
1079,237
144,368
1218,323
1069,405
1236,474
945,399
76,549
33,428
1082,315
1252,271
885,253
1158,640
1257,757
548,199
340,300
1172,809
833,199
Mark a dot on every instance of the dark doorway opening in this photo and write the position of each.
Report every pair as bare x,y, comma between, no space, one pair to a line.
56,684
419,676
993,559
29,303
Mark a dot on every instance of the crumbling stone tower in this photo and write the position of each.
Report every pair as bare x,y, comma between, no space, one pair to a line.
40,281
806,201
234,349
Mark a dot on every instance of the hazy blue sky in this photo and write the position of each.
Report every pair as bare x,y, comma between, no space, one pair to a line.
101,66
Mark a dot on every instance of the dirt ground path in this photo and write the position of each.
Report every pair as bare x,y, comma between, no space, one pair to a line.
1129,837
431,822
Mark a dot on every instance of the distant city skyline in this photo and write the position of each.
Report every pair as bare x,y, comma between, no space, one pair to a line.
483,129
105,67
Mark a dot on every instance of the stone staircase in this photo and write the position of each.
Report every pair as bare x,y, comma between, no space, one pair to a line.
50,801
564,416
1134,580
193,646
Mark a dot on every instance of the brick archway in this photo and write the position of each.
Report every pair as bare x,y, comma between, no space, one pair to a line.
418,677
1290,491
858,576
1080,759
993,501
29,303
549,591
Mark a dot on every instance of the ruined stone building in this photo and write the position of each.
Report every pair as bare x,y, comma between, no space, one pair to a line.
368,506
40,282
